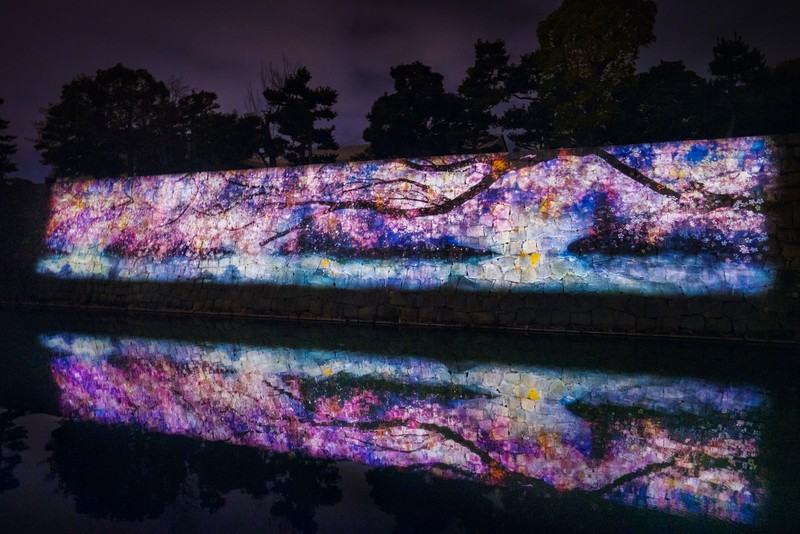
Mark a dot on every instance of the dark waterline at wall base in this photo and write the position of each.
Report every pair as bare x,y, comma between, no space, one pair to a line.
750,340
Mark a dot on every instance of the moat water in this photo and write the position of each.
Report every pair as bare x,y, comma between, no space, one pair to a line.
115,423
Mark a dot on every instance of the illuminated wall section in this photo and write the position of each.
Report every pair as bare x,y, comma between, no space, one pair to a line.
679,218
680,445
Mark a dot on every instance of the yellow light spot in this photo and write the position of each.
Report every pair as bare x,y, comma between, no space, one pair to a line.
544,207
535,257
327,371
325,263
499,165
533,394
496,472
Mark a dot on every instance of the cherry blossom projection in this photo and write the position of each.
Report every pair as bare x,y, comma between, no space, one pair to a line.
670,218
680,445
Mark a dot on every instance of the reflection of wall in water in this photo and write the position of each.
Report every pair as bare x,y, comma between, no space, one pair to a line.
666,219
682,445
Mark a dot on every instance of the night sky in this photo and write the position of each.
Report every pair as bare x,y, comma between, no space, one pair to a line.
348,45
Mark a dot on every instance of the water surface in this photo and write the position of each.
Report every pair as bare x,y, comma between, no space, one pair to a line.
116,423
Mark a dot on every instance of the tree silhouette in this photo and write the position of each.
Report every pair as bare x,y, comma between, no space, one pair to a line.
416,119
7,148
125,473
124,122
781,105
528,121
295,108
587,60
482,90
269,144
738,77
109,124
117,472
211,140
12,442
670,102
421,503
735,64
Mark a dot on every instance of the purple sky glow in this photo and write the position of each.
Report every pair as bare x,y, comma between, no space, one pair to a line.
348,45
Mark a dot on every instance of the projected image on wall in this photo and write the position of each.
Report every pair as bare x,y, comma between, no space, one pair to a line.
680,445
669,218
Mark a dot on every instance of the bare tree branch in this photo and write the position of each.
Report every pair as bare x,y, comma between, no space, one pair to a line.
624,479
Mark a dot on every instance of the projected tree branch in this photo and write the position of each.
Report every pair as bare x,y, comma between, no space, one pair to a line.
688,201
500,424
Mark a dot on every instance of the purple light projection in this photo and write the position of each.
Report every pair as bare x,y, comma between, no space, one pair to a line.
669,218
679,445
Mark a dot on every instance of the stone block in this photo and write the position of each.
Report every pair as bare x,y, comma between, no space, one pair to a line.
456,301
740,326
427,315
408,315
366,313
348,311
461,317
507,318
525,316
482,318
626,322
761,323
604,318
719,326
692,323
581,319
561,318
656,308
444,315
315,307
645,325
566,303
791,251
667,325
542,317
330,310
618,303
586,303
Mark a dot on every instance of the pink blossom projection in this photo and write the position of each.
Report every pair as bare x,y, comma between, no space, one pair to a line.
680,445
670,218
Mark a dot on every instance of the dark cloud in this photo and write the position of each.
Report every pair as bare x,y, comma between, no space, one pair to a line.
348,45
688,30
364,30
365,80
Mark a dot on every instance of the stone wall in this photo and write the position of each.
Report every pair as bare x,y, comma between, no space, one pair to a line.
695,238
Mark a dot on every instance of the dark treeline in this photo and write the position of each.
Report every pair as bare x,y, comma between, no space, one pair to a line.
7,148
579,88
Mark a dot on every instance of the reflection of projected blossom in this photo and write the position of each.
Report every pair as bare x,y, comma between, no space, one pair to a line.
680,441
